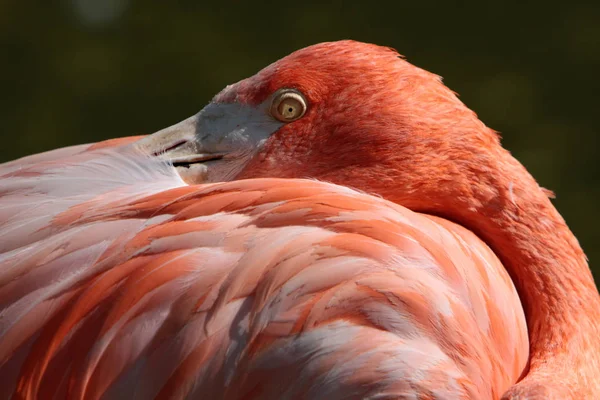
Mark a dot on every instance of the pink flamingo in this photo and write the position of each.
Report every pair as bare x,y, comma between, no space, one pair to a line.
198,263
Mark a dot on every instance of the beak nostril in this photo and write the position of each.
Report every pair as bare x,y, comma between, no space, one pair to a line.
169,148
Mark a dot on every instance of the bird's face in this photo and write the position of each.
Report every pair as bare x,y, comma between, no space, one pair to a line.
345,112
289,120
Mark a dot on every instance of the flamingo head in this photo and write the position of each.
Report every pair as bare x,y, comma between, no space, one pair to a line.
346,112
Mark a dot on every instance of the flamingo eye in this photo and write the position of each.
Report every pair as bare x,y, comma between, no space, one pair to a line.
288,105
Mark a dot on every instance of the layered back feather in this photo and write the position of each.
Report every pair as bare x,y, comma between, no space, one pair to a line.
118,280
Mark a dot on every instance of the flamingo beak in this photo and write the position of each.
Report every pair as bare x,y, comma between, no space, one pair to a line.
215,144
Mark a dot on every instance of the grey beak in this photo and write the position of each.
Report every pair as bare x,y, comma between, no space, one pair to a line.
213,145
179,145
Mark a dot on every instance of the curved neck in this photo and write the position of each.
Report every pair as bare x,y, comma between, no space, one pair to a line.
513,215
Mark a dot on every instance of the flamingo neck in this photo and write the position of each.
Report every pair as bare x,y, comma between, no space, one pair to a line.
513,215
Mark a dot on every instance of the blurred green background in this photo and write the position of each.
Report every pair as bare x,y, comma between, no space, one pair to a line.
86,70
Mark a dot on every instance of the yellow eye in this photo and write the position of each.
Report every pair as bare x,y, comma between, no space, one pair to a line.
288,105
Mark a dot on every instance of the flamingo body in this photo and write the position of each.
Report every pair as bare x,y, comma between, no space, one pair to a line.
144,287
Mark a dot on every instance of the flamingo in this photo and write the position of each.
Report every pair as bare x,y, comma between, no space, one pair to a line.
337,226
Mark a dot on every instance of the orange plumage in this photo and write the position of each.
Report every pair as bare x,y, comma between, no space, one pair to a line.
449,275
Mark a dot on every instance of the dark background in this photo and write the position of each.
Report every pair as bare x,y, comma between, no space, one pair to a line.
86,70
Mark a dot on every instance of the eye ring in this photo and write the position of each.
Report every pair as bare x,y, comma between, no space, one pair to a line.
288,105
